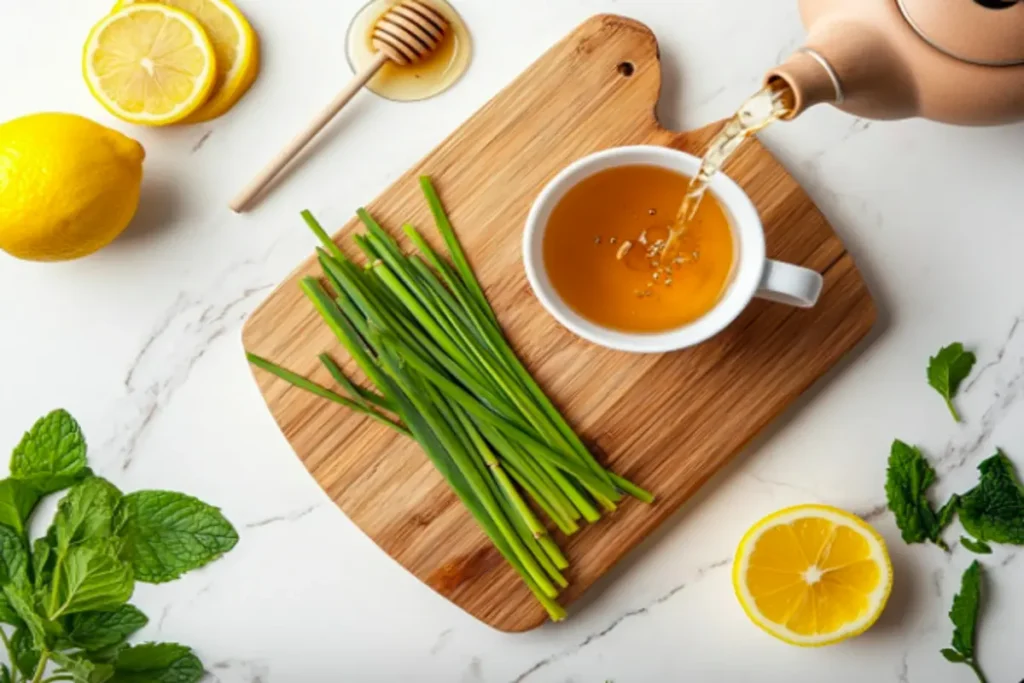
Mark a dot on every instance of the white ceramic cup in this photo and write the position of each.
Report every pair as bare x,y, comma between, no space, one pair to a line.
753,274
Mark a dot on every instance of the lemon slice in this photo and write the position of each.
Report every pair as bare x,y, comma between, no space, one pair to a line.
812,575
234,43
149,64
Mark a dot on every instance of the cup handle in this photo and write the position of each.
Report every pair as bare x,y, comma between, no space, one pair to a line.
785,283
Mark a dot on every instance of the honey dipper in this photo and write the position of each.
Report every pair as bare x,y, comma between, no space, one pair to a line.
406,34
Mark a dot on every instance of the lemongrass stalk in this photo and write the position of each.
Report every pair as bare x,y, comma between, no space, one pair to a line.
555,488
322,235
431,413
437,454
526,524
537,497
301,382
483,307
358,394
508,429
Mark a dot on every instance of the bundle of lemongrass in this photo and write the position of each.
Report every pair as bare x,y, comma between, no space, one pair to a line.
427,339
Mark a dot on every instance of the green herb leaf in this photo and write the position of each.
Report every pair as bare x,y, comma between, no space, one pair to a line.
17,500
87,513
81,669
964,613
157,663
13,556
977,547
952,656
99,630
22,601
906,485
7,613
947,369
44,557
168,534
51,455
994,509
90,577
26,656
5,674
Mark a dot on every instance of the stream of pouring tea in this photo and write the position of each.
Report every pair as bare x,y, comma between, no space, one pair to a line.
768,105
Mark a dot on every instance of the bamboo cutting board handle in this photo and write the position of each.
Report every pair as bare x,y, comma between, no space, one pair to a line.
668,422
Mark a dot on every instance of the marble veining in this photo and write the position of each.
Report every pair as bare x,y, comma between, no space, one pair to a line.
142,343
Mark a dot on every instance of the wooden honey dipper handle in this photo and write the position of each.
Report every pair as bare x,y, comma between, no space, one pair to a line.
405,34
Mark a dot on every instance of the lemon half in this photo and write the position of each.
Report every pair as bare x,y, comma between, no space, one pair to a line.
812,575
149,64
234,43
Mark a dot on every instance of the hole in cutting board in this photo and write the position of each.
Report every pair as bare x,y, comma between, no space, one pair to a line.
626,69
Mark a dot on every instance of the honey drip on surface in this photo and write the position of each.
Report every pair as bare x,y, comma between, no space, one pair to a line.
435,74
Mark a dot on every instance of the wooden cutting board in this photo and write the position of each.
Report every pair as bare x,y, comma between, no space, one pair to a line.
667,422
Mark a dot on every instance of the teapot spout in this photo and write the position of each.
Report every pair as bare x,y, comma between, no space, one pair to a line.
851,66
810,80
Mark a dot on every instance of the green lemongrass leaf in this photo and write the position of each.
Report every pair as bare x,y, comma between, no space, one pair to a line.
430,405
358,394
301,382
437,454
322,235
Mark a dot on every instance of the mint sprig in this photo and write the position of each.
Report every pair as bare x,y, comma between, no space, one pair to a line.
66,593
964,615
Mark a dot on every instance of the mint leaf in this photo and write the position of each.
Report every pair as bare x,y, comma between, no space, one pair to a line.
44,557
90,577
947,369
17,500
87,513
157,663
13,556
5,674
26,656
964,615
98,630
952,655
976,547
51,455
994,509
167,534
7,613
81,669
906,484
22,601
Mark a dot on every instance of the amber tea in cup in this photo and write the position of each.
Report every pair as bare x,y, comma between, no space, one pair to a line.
601,250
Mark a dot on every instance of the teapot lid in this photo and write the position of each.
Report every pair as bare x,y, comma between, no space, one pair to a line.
986,32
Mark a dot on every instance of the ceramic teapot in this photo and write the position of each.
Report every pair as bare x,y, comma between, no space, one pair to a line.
956,61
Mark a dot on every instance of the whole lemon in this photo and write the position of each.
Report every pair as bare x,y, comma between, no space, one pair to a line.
68,186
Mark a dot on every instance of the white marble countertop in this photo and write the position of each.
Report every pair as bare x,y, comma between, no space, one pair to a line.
141,343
